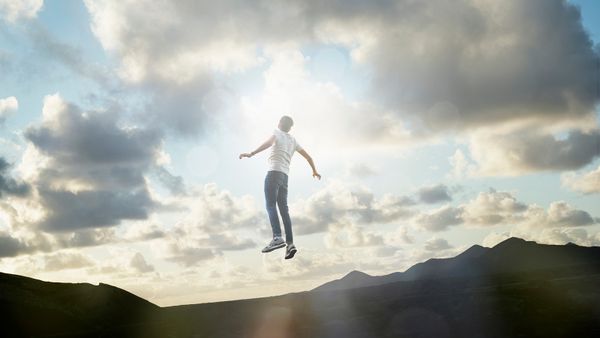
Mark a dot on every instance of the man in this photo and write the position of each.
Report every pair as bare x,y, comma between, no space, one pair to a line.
282,146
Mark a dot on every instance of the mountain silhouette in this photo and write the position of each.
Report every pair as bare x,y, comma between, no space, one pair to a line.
511,256
32,308
515,289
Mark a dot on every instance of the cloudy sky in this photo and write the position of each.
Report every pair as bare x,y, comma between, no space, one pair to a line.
436,125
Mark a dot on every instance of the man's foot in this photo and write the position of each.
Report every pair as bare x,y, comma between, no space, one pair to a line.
290,251
276,243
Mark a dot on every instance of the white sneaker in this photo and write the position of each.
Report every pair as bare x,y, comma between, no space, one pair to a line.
290,251
276,243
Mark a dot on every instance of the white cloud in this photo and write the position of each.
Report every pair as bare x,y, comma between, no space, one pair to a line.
324,116
8,106
353,236
13,10
340,205
587,183
209,222
491,208
502,208
461,167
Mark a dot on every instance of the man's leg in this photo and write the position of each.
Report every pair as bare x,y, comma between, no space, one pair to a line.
284,210
271,189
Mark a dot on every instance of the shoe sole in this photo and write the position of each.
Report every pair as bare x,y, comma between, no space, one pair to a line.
291,254
273,248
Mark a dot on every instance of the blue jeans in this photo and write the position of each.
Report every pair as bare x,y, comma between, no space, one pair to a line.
276,191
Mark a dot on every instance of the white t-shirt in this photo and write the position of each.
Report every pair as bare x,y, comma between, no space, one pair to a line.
282,151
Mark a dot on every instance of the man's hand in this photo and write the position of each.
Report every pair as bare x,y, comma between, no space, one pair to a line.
242,155
316,175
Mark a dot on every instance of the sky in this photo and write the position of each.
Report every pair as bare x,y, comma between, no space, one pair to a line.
435,126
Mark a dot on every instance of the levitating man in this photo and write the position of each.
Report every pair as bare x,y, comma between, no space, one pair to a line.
283,145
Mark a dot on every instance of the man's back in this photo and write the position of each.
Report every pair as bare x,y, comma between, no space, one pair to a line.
282,150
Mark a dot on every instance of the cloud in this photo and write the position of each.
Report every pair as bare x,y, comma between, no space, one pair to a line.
325,117
353,236
85,238
491,208
502,208
9,185
434,194
210,222
10,246
88,170
556,236
526,151
361,170
138,263
587,183
439,219
13,10
559,214
8,106
66,210
473,63
53,50
437,244
190,256
338,205
66,260
461,167
173,183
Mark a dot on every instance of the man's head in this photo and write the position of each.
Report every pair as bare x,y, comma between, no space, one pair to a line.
285,123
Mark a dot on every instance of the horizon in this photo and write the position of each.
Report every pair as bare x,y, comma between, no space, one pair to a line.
435,126
343,276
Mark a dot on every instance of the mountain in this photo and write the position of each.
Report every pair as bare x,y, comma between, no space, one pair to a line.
511,256
515,289
36,308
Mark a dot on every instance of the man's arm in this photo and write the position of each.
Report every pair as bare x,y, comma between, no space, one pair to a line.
310,161
262,147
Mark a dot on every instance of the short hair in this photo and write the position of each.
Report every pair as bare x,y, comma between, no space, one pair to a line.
286,123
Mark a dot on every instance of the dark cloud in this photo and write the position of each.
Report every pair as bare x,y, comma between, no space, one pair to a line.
453,65
440,219
9,185
68,211
527,151
434,194
437,244
173,183
91,170
10,246
546,152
